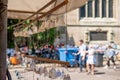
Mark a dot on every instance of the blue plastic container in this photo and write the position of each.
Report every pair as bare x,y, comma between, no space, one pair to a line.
67,56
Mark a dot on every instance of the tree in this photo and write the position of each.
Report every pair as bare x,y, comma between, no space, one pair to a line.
3,38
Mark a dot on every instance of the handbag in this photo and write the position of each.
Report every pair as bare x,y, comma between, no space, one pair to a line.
45,71
58,73
36,70
41,69
52,73
67,77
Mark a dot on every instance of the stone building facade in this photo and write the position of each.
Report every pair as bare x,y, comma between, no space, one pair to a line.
98,21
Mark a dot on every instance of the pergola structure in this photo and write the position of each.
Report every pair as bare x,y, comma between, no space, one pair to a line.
28,9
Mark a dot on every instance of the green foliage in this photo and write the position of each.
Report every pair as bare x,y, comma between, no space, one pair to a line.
42,38
39,39
10,30
10,37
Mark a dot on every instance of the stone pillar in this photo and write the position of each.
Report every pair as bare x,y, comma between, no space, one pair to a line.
93,6
3,38
115,8
86,9
118,11
107,8
100,8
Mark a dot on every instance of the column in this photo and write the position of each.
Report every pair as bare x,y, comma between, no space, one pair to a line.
86,9
107,8
3,38
115,7
100,8
118,11
93,6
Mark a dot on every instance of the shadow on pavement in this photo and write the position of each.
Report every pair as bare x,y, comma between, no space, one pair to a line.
99,73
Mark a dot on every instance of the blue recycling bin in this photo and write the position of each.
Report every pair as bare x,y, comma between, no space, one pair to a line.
66,55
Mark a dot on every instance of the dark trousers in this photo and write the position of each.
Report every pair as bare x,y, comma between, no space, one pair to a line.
111,59
82,63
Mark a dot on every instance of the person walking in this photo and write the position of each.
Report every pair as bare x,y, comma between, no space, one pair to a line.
82,54
90,60
110,57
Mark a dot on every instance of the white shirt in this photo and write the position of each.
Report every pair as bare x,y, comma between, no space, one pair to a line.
91,52
82,49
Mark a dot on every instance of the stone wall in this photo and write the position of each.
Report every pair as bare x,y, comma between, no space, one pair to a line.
77,27
78,32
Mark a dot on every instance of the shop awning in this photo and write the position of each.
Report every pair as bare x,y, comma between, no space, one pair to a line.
24,8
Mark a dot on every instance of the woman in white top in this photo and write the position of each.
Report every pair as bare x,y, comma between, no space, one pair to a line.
90,59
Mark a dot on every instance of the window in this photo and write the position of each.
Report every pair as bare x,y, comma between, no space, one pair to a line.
97,6
103,8
98,36
90,9
82,11
94,9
